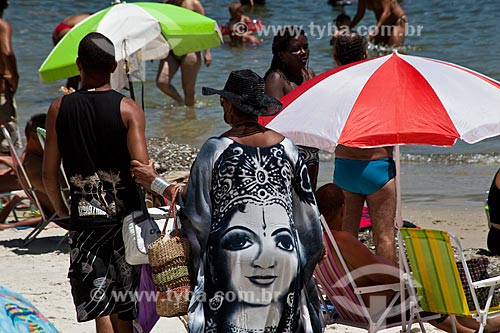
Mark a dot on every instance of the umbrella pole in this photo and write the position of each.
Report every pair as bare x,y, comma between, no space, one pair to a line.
398,222
130,84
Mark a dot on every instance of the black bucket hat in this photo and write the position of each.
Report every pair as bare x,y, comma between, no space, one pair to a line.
245,90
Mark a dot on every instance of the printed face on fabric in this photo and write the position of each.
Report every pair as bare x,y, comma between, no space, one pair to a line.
252,253
258,240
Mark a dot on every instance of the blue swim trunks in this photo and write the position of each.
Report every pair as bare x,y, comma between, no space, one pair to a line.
361,176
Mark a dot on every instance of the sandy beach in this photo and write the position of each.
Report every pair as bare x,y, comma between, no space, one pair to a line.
39,271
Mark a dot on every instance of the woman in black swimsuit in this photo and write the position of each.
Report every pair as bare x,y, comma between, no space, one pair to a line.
289,70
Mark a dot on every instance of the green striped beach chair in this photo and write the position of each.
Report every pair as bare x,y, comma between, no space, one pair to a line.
429,260
338,284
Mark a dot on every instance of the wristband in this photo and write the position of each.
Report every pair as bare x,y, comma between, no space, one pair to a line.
180,201
158,185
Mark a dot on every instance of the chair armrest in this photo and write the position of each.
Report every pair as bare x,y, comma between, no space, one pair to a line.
380,287
493,281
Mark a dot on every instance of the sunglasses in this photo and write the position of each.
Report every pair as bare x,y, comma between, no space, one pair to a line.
303,49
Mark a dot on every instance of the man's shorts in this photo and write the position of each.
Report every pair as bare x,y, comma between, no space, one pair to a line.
102,282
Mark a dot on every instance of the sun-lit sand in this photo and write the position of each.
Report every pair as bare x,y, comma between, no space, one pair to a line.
39,270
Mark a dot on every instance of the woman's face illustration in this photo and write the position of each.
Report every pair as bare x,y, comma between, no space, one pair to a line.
258,255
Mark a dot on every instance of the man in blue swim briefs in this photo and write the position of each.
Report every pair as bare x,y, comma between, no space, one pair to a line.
366,173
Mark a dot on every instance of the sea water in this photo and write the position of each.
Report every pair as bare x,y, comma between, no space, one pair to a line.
463,32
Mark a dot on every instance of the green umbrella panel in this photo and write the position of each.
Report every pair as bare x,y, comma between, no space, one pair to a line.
185,31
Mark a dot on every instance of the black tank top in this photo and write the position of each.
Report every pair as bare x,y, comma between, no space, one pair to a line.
494,201
93,145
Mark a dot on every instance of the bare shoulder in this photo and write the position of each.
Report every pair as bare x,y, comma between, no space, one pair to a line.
274,75
130,110
55,105
5,25
274,136
497,180
128,105
274,78
52,114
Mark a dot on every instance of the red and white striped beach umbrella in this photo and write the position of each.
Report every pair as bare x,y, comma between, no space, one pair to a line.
391,100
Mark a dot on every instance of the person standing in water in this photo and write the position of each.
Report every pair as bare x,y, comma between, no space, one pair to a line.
289,70
190,64
391,21
9,80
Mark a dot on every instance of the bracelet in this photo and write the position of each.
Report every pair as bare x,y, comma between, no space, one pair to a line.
158,185
180,201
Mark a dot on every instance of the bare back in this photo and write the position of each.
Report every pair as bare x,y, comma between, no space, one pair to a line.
366,154
377,6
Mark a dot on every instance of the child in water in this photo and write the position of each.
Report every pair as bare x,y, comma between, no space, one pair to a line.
240,27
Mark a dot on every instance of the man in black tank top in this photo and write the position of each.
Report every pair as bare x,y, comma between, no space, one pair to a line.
96,132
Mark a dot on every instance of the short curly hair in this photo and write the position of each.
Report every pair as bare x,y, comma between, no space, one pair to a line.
96,53
349,47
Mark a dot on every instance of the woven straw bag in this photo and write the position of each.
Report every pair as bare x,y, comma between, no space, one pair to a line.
168,257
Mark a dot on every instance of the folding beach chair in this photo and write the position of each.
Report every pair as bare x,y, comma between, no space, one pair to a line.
30,191
337,283
65,191
429,261
8,196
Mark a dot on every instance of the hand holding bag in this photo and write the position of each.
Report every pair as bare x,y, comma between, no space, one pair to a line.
139,230
169,257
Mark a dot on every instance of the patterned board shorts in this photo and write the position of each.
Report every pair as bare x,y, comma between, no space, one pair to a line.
102,282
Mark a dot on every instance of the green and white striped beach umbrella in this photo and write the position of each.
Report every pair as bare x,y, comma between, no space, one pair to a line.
152,28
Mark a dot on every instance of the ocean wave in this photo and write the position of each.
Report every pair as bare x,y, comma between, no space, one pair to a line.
468,158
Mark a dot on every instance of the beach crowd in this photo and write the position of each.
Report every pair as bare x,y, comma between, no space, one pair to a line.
251,208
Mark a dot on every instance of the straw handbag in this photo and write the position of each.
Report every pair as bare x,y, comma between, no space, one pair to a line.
168,257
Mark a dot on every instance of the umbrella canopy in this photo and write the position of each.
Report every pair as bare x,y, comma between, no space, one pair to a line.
390,100
17,314
144,26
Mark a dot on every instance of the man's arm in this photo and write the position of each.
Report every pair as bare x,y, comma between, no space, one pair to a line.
357,255
52,161
359,13
8,57
135,122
